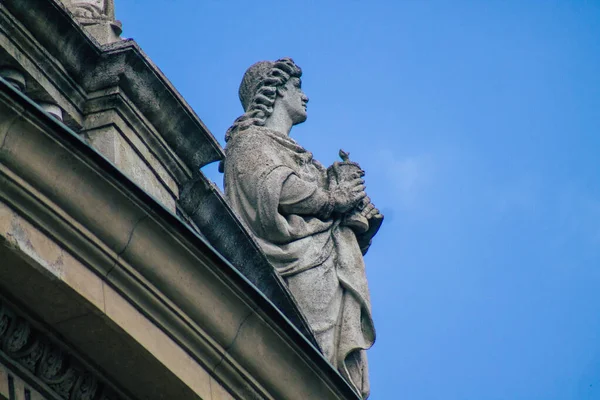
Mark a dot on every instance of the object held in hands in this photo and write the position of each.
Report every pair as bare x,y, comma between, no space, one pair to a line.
347,171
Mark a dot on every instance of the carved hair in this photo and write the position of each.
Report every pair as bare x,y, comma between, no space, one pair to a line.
258,92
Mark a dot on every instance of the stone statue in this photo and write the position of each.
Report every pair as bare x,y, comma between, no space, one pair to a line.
89,8
313,223
98,17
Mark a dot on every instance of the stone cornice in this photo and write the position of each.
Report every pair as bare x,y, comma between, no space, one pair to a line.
204,204
148,255
51,76
245,255
115,99
93,67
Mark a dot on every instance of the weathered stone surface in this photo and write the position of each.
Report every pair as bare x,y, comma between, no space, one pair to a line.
100,263
14,77
45,360
312,223
10,382
171,282
82,77
123,150
217,223
112,95
92,8
98,17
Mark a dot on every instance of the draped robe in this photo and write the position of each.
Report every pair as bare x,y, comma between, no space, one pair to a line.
277,189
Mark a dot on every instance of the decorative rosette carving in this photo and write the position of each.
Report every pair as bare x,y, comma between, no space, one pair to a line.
29,356
48,361
55,372
17,339
86,388
5,319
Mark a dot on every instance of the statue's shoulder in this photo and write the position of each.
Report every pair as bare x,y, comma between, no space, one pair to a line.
257,140
253,134
252,148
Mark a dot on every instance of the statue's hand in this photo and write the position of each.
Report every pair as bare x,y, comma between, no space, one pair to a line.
347,194
375,219
369,211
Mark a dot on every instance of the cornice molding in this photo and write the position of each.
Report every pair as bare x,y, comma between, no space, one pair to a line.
115,99
74,195
91,66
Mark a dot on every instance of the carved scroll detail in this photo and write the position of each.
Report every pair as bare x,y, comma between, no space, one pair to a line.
89,9
48,361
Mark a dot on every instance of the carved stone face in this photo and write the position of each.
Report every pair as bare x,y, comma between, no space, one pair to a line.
294,100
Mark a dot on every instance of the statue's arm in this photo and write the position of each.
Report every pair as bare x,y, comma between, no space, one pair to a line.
304,198
307,198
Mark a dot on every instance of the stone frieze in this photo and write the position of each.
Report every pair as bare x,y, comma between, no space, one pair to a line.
48,362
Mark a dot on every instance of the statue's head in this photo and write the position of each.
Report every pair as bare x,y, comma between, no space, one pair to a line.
263,84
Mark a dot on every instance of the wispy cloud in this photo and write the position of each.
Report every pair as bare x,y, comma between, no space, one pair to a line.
408,176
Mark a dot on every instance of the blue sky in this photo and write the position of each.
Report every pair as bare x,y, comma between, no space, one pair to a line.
478,123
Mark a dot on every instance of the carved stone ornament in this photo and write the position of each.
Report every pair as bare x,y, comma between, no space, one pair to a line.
313,223
47,361
90,9
98,16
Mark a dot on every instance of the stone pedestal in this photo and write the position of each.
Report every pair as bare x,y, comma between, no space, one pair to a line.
104,32
143,169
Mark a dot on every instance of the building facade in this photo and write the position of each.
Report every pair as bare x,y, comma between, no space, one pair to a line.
123,272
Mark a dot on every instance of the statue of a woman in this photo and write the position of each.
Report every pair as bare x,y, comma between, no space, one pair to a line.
298,211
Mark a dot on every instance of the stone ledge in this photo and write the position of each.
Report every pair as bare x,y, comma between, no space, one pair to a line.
93,67
115,99
46,78
183,285
204,203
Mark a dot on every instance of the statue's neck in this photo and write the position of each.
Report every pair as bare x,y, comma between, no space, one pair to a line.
279,120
